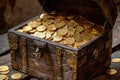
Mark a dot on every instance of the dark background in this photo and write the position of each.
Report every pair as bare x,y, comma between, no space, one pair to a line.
14,12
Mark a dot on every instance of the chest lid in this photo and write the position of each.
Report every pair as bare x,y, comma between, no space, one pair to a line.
97,11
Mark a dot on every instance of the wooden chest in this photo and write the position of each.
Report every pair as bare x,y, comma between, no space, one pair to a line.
49,60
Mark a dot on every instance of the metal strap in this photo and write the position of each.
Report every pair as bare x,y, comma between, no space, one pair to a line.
24,54
59,63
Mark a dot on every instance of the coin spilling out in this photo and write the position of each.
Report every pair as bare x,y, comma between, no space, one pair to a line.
3,77
117,60
16,76
111,71
65,28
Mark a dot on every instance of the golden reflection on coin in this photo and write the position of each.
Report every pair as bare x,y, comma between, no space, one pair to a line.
72,23
32,31
51,27
49,34
40,34
43,15
4,68
3,77
69,40
111,71
27,28
57,38
117,60
16,76
41,28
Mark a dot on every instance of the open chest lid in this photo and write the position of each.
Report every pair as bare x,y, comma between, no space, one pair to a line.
97,11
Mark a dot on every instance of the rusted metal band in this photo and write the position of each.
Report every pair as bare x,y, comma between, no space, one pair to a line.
24,54
59,61
13,47
71,60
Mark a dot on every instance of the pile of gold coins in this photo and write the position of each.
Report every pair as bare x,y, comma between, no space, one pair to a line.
4,70
67,29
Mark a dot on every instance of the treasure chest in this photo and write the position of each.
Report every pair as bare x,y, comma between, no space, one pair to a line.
68,40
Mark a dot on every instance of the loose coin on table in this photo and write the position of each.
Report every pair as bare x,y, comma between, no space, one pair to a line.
117,60
111,71
16,76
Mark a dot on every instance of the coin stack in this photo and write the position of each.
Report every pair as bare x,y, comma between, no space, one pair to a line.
3,71
67,29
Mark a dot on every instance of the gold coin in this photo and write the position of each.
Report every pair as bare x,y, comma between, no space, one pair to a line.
60,24
78,37
79,29
40,34
72,23
69,40
63,42
117,60
32,31
4,72
52,12
70,17
3,77
4,68
27,28
49,34
70,32
51,27
95,32
34,24
88,25
111,71
48,22
43,15
41,28
57,38
77,44
20,30
62,32
16,76
61,17
87,36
